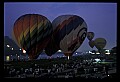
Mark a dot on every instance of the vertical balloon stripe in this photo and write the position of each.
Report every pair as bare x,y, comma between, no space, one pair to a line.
19,28
47,30
40,21
34,38
22,37
45,22
34,41
33,28
26,26
40,33
32,23
27,38
40,28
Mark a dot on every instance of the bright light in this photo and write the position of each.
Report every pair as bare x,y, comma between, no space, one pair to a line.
107,50
12,48
68,58
8,45
59,51
92,53
20,49
89,52
97,60
24,51
7,58
75,53
97,53
18,56
108,75
107,53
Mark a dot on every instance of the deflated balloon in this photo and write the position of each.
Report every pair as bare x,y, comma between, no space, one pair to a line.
32,32
70,32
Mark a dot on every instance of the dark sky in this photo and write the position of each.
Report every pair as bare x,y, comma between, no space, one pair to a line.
101,18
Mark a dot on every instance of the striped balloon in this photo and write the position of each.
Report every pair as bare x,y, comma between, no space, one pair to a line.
32,32
70,32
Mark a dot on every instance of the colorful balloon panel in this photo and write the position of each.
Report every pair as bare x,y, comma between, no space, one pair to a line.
90,35
70,32
32,32
100,43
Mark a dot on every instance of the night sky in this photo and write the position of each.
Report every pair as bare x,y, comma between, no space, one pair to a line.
101,18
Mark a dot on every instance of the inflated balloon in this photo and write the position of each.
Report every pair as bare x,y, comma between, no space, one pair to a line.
70,32
51,47
91,43
90,35
100,43
32,32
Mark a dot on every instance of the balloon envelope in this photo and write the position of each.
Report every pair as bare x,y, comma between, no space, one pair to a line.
70,32
91,43
100,43
51,47
90,35
32,32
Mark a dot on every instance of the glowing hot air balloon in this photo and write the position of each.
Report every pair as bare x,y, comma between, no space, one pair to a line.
70,32
90,35
32,32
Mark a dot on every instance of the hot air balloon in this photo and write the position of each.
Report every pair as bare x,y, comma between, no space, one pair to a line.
70,32
100,43
32,32
51,47
91,43
90,35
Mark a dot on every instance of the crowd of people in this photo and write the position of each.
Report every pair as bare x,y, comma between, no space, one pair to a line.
71,69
